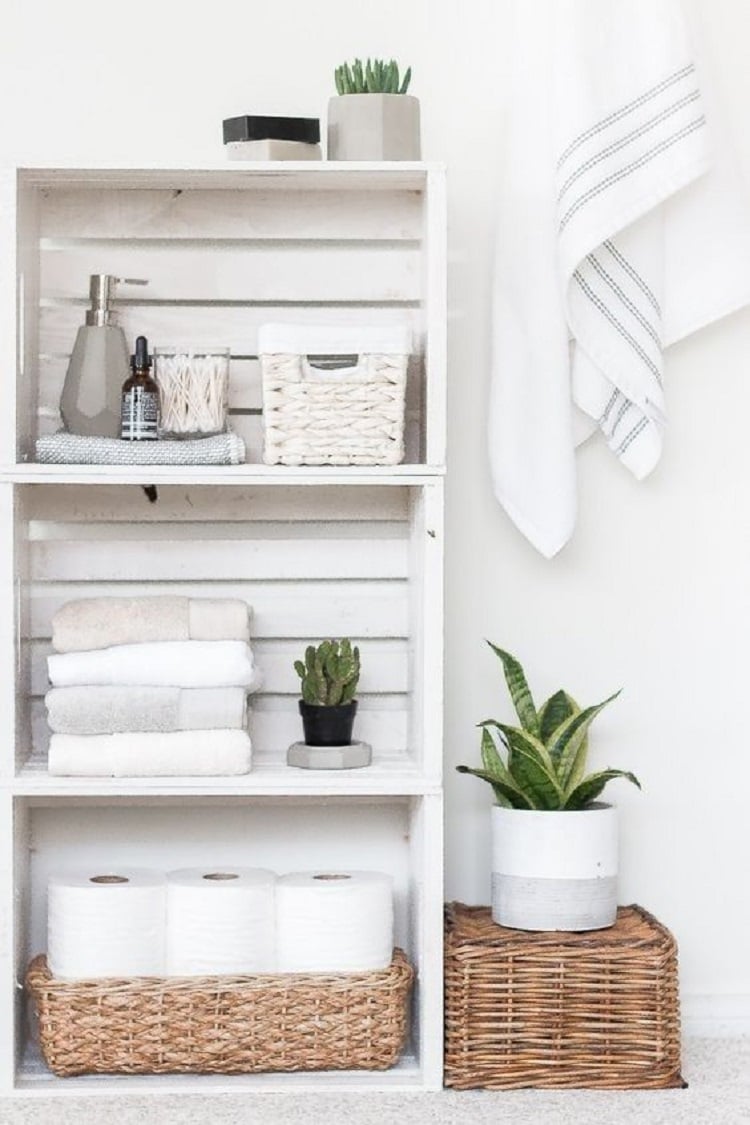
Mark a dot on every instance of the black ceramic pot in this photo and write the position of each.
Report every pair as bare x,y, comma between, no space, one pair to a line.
328,726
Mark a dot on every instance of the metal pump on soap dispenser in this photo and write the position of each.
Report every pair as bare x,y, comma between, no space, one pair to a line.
99,365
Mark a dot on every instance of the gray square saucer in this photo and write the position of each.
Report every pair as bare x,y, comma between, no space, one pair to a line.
351,757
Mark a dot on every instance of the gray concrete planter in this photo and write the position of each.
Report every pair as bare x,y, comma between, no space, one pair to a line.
373,127
554,870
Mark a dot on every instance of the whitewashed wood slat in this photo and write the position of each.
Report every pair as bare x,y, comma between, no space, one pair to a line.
178,271
197,534
207,326
244,382
67,503
436,308
385,668
114,561
385,728
245,390
259,214
280,609
295,176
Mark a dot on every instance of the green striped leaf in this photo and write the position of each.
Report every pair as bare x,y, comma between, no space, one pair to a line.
554,712
491,759
520,692
590,788
530,766
569,747
505,793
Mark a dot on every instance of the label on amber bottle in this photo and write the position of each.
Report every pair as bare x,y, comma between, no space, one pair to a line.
140,415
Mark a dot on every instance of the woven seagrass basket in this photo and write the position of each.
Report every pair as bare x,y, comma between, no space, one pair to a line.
314,419
558,1010
222,1025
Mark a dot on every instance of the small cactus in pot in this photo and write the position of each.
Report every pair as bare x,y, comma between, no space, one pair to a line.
329,675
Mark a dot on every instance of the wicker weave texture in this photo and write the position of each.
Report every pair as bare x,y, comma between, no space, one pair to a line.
346,421
560,1010
222,1025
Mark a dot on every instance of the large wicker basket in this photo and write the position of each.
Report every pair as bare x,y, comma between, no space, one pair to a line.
557,1010
222,1025
316,412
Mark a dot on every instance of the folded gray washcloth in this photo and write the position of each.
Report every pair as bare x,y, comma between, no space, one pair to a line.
115,710
91,623
73,449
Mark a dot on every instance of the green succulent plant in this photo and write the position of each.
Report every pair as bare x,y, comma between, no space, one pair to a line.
545,758
329,673
372,77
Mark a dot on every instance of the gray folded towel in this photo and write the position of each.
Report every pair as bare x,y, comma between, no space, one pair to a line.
91,623
73,449
115,710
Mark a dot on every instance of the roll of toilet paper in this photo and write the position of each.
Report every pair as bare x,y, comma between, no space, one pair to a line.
106,924
220,920
329,921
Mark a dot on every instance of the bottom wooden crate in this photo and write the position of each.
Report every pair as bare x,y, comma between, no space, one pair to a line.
223,1025
560,1010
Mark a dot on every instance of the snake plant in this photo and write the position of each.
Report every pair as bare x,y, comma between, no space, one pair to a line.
372,77
545,757
329,673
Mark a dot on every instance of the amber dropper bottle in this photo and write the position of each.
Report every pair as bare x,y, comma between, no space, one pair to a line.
140,398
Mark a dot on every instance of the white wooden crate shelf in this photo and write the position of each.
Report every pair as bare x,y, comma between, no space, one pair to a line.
225,249
389,775
392,834
316,551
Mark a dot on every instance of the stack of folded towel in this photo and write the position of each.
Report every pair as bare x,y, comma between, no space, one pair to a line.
150,687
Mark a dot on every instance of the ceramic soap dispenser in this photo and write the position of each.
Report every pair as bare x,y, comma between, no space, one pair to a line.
99,365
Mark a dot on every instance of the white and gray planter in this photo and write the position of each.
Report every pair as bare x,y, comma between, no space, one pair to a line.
554,870
373,127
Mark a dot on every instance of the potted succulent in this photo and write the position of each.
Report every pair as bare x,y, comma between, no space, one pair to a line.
372,117
329,675
554,864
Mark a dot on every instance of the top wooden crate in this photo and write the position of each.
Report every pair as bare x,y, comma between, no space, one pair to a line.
224,251
560,1010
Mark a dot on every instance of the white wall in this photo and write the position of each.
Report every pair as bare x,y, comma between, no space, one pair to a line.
652,595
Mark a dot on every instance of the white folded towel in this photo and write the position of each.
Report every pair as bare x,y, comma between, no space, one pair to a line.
190,664
112,710
90,623
619,233
178,754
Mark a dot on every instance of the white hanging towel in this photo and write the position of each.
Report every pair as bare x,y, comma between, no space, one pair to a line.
622,229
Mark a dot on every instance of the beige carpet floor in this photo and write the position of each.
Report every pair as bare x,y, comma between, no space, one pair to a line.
718,1072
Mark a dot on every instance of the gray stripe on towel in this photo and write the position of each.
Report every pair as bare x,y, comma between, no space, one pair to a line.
641,131
615,177
606,312
632,272
645,324
630,107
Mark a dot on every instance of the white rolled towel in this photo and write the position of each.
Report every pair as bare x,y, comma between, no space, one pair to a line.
211,753
188,664
115,710
91,623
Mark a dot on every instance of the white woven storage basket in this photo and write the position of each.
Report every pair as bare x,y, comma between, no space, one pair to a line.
318,413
